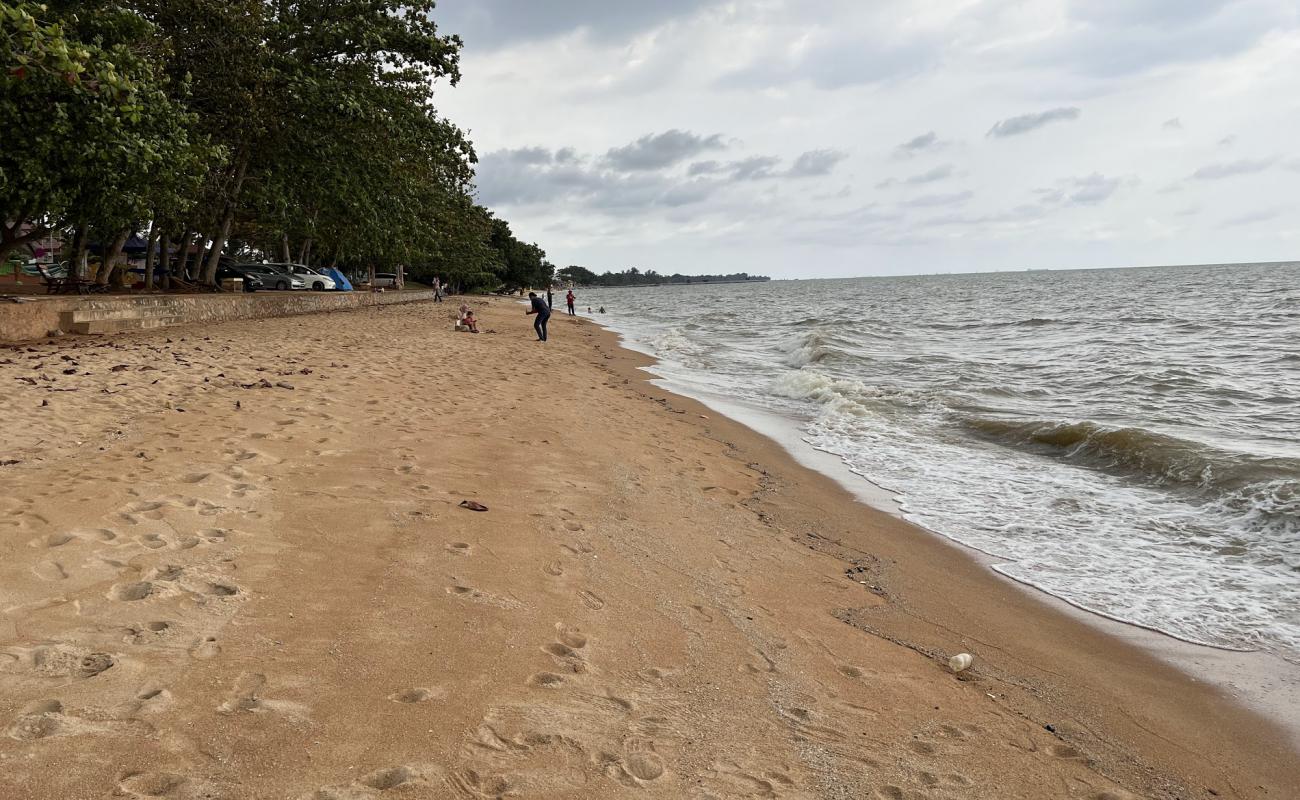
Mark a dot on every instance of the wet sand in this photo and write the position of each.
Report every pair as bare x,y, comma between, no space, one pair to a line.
233,565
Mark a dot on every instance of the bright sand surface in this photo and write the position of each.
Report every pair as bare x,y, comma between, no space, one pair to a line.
215,587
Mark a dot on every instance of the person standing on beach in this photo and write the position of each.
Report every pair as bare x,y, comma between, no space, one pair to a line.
550,298
570,298
543,311
437,290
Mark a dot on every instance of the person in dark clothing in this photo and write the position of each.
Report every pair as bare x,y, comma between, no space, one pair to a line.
570,298
550,299
543,312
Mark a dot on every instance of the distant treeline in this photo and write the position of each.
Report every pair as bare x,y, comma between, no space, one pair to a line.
635,277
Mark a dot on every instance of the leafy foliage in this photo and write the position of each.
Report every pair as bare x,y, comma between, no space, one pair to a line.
270,128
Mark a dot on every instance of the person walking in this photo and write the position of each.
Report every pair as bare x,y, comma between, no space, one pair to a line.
437,290
543,312
570,298
550,298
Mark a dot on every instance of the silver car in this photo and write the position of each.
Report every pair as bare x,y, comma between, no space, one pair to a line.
312,278
275,276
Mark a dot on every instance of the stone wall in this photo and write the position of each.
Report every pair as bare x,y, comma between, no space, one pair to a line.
36,317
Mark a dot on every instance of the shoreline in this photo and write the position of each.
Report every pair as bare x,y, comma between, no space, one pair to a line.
1263,682
273,591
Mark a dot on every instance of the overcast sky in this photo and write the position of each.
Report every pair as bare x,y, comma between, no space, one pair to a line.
817,138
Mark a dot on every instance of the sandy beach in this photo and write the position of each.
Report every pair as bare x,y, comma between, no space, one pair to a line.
234,564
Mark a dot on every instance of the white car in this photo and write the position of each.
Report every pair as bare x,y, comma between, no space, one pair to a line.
309,276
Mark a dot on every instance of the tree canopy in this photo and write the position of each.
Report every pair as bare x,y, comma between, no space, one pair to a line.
245,128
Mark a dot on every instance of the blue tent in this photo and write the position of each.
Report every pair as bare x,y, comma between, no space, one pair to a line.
341,283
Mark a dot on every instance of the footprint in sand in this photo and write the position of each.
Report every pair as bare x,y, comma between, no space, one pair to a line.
40,720
459,548
206,649
417,694
164,784
644,766
546,680
50,571
591,600
554,569
385,779
153,541
51,540
131,592
244,696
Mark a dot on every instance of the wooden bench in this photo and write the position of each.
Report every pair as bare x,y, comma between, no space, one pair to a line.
65,285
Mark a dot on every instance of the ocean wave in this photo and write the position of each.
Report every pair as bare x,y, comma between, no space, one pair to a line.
1264,488
813,347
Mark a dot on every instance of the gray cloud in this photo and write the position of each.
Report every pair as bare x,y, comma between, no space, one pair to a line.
840,64
1111,39
1014,126
939,173
918,144
937,200
657,151
915,146
1174,124
754,168
1089,190
1263,215
815,163
489,24
1229,169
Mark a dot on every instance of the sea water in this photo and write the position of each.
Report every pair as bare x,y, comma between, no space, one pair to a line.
1126,440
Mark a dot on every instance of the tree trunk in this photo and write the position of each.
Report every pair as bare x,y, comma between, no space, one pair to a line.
401,276
227,219
370,276
305,253
284,248
110,256
77,262
150,258
182,252
164,253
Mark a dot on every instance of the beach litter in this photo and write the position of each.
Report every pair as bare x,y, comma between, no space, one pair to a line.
472,505
960,662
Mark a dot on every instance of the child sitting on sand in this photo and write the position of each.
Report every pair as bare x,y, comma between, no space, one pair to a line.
468,322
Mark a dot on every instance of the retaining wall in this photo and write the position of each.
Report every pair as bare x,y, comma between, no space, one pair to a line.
38,316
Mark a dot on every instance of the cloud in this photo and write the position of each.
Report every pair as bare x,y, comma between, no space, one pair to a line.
816,162
534,176
1228,141
1088,190
1263,215
1113,39
489,24
754,168
939,173
1174,124
657,151
925,143
1014,126
1229,169
937,200
833,62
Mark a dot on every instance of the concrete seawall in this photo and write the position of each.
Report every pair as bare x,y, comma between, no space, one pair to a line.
38,316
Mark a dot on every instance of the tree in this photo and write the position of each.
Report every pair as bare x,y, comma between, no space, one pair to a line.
579,275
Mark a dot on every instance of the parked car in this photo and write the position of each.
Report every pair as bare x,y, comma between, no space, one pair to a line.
252,281
313,279
385,280
274,277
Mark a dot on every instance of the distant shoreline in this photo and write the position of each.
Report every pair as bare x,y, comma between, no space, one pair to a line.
669,283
